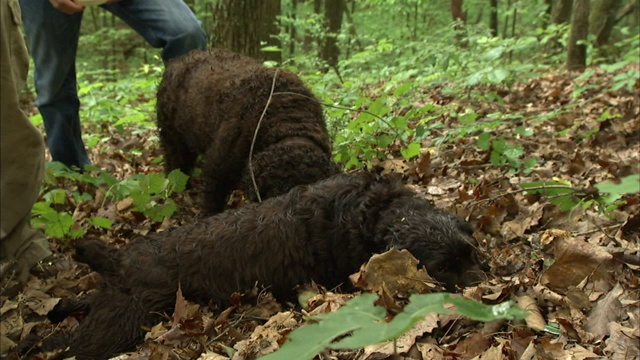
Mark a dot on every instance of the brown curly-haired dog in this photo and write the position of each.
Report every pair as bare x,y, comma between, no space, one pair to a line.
322,232
210,102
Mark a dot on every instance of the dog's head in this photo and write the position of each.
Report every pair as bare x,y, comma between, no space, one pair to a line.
441,241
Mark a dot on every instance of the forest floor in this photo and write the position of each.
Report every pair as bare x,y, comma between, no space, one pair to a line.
577,270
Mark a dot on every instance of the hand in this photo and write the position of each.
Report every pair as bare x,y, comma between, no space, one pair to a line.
66,6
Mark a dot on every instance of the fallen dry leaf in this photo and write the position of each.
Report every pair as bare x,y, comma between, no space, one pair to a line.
265,338
403,344
574,261
607,310
396,272
535,319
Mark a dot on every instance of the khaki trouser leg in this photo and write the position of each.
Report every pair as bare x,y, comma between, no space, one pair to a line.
21,151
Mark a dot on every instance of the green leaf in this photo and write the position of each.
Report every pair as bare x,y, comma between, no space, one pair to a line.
586,74
178,179
100,222
565,202
499,145
411,150
156,183
383,141
468,117
378,107
524,131
484,142
513,152
309,340
402,89
56,196
55,224
628,185
613,67
141,200
360,323
159,212
497,159
497,76
494,53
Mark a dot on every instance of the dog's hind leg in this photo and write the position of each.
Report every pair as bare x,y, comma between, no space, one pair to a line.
117,322
177,153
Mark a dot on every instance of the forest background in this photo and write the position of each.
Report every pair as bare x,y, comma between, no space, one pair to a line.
520,116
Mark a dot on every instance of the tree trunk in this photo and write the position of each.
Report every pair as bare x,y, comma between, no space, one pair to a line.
493,17
457,13
353,36
602,19
292,28
246,26
333,11
577,54
561,12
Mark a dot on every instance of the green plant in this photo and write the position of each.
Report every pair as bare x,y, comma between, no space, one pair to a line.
611,192
507,153
605,196
151,193
360,323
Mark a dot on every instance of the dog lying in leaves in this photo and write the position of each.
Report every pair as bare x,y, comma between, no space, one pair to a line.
321,232
210,103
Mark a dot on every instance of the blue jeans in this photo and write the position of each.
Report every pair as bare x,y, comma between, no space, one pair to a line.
53,39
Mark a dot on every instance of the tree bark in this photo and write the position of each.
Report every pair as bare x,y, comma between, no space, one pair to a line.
458,16
456,11
561,11
577,53
493,17
246,26
333,11
602,19
292,28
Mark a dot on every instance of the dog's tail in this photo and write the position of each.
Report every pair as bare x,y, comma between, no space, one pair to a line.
98,255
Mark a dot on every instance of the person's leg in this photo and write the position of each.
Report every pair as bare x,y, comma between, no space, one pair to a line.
167,24
53,42
21,152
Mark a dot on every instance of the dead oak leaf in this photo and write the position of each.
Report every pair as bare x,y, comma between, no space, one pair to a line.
528,217
402,344
395,272
575,260
621,344
535,319
38,301
265,338
608,309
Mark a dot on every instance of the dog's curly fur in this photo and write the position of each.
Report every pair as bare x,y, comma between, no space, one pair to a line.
321,232
210,102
